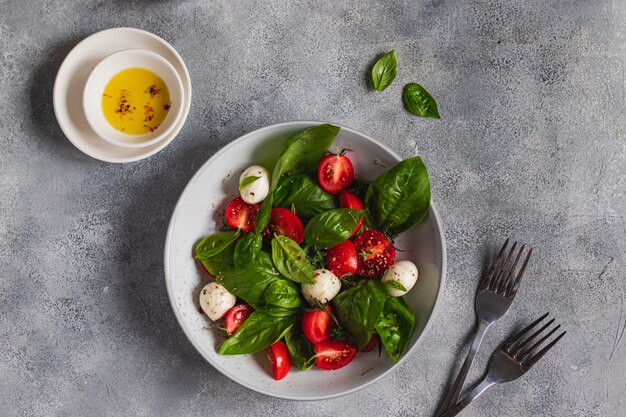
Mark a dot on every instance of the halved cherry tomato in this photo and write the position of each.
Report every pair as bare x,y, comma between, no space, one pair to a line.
240,215
341,259
316,325
352,201
236,317
278,355
372,343
284,222
335,173
375,253
332,354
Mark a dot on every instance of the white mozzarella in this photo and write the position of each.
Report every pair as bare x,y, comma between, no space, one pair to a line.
215,300
258,190
403,272
326,287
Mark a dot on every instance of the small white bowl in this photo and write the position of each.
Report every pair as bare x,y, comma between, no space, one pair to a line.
110,66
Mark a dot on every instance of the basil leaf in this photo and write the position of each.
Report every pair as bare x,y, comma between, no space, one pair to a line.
395,327
276,311
419,101
224,260
331,227
303,194
396,285
358,309
302,150
248,282
247,249
399,198
214,244
300,349
247,181
282,293
384,71
258,332
290,260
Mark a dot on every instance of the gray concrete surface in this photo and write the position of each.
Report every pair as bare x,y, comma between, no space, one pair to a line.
531,144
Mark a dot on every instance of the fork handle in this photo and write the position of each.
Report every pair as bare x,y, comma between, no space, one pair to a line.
453,394
477,391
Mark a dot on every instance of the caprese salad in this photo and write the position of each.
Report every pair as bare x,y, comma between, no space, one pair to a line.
307,271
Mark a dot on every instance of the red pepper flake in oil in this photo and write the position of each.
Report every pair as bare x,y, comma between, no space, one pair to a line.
167,106
123,108
149,112
153,90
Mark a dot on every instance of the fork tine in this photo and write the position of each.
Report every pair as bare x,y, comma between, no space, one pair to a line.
506,282
494,266
528,352
496,283
514,339
518,349
513,290
530,362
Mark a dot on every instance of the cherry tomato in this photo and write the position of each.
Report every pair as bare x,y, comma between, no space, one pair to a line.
352,201
240,215
332,354
279,359
284,222
372,343
341,259
236,316
335,173
316,325
375,253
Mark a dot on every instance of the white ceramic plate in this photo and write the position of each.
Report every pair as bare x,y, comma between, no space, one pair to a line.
199,212
72,76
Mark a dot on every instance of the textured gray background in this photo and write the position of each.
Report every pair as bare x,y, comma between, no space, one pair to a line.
531,144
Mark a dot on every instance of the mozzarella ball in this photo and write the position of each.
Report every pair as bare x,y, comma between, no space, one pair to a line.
258,190
326,287
403,272
215,300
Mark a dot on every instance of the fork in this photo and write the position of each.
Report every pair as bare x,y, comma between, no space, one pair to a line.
494,298
511,360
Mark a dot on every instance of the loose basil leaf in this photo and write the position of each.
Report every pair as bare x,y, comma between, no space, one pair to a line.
214,244
303,194
419,101
300,349
331,227
224,260
358,309
282,293
247,249
399,198
395,327
276,311
396,285
248,282
290,260
384,71
247,181
302,150
258,332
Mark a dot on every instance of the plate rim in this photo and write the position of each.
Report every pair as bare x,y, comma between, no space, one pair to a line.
187,332
185,78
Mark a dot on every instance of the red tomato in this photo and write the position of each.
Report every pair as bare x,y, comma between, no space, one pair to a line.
341,259
240,215
335,173
332,354
284,222
316,325
236,316
279,359
372,343
375,253
352,201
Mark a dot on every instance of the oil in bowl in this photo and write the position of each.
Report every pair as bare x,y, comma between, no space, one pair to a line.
136,101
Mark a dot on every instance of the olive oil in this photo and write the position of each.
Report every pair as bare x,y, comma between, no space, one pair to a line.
136,101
